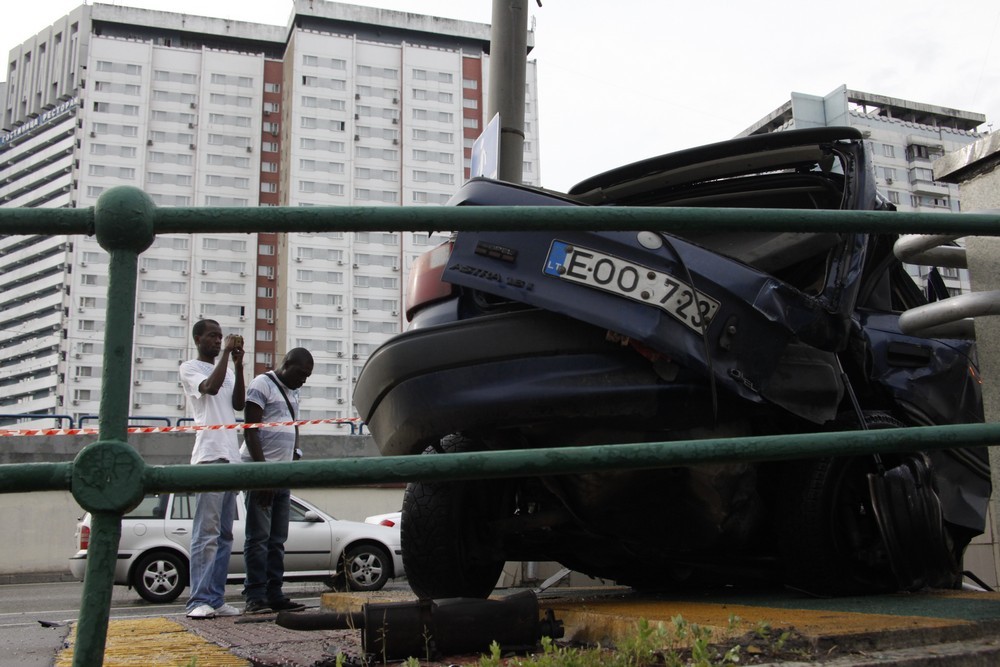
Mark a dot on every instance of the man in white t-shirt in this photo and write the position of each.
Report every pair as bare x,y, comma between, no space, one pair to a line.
214,393
272,397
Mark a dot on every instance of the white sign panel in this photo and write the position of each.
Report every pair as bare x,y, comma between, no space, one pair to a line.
486,151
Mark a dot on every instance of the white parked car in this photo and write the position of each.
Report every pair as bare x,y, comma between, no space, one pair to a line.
156,539
389,519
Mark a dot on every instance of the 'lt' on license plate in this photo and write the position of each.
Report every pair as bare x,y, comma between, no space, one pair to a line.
633,281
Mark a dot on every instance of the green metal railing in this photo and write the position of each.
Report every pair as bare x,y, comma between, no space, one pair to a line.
108,477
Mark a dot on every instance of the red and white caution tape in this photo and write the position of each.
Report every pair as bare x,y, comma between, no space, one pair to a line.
171,429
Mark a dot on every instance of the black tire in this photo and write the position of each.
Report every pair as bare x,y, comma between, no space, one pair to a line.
830,539
366,567
827,528
444,534
160,576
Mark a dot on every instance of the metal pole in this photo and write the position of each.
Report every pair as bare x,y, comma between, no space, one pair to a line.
508,64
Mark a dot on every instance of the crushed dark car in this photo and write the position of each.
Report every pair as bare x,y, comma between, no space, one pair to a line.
537,339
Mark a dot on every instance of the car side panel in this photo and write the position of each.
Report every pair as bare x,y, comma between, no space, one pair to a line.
310,543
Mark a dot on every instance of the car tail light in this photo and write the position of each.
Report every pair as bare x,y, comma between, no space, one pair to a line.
84,540
425,284
387,522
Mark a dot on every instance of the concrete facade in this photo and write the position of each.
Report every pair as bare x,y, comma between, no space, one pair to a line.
975,168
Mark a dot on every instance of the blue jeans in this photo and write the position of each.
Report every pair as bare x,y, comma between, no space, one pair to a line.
211,545
264,549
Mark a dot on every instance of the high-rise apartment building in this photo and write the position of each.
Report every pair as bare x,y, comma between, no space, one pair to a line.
346,105
904,138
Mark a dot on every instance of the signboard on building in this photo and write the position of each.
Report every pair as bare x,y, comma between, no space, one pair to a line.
39,120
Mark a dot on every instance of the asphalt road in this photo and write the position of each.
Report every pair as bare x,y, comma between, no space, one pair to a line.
35,618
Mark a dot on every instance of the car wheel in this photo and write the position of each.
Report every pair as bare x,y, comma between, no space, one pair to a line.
444,533
366,567
160,576
829,534
829,537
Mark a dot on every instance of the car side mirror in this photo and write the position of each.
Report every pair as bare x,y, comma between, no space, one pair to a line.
311,516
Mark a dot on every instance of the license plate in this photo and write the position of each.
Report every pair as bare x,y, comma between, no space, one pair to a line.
612,274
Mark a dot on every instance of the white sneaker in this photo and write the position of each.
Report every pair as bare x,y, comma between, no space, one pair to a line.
227,610
202,611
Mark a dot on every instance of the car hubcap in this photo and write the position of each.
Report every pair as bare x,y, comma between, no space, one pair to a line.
366,569
160,577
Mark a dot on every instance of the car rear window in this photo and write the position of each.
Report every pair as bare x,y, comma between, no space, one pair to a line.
184,504
153,506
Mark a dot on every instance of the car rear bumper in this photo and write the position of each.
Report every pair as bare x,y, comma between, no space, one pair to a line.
508,370
78,566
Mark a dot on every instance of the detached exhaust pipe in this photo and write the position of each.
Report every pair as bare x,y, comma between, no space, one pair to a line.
435,628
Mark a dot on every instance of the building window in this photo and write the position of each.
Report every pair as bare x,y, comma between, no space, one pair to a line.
232,80
380,72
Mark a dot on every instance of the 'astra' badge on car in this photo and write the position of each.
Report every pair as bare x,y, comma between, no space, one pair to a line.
599,270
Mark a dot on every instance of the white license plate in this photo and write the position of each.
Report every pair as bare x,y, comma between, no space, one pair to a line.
632,281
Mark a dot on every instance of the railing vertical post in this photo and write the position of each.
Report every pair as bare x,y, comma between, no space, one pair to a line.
107,475
95,603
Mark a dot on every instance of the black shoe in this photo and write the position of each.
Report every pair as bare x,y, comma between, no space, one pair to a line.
285,604
256,607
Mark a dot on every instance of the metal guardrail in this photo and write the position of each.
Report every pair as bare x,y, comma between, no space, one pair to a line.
132,420
17,418
108,477
951,317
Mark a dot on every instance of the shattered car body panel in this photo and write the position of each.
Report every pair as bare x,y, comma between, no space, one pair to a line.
759,316
548,339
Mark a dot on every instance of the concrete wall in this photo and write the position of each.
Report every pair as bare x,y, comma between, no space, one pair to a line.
975,169
40,526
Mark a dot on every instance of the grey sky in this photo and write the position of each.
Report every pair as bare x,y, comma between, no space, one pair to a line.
623,81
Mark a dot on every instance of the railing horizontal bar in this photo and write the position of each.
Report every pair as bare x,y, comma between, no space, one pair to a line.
53,221
552,461
24,477
493,218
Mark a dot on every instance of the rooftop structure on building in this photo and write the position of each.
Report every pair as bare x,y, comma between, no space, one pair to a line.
904,139
344,105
